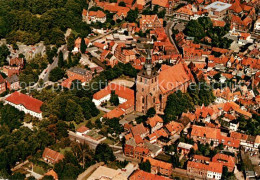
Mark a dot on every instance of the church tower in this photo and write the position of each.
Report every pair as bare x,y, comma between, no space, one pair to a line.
147,87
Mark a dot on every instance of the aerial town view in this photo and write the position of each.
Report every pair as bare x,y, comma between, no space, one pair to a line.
129,89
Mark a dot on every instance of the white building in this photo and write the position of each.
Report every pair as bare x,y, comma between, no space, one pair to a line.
25,103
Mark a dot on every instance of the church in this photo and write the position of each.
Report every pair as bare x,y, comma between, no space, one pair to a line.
153,87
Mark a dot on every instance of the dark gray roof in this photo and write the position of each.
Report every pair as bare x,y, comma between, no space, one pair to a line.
14,78
78,70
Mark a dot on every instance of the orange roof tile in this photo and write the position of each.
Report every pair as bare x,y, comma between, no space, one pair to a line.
154,120
115,113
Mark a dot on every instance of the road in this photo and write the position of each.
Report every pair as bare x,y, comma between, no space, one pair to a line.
168,30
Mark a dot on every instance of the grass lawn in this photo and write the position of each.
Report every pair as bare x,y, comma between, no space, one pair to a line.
62,151
38,170
108,141
248,164
93,119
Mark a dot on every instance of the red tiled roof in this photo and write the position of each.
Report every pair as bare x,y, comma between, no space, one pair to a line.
201,158
53,155
28,102
141,175
225,160
115,113
162,3
82,129
157,163
173,77
139,130
174,127
154,120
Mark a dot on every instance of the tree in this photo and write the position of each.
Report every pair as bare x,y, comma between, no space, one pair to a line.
114,100
56,74
71,41
195,29
61,60
83,46
74,112
145,166
122,3
132,15
104,153
10,116
151,112
82,153
47,177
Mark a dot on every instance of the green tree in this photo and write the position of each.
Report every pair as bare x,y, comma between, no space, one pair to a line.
104,153
151,112
114,100
71,41
122,3
61,60
145,166
74,112
83,46
56,74
132,15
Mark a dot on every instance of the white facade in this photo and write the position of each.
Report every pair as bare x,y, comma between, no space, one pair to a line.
213,175
233,126
26,111
98,102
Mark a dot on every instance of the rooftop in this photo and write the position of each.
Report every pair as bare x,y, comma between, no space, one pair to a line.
218,6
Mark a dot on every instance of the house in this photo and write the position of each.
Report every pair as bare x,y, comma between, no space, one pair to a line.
94,16
77,73
125,96
11,70
257,142
140,175
12,82
160,167
174,127
184,148
184,13
139,130
51,156
25,103
204,171
82,130
225,160
155,123
2,84
218,9
150,22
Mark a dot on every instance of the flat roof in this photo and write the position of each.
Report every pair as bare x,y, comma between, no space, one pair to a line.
218,6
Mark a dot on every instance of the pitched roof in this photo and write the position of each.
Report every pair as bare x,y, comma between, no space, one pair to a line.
115,113
154,120
141,175
157,163
139,130
200,131
224,159
51,154
174,126
82,129
28,102
121,91
171,78
2,80
201,158
162,3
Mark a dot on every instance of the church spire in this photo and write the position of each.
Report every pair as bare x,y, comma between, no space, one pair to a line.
148,63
